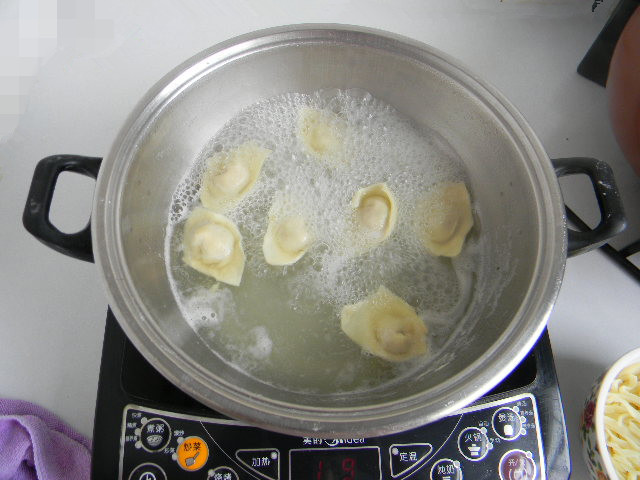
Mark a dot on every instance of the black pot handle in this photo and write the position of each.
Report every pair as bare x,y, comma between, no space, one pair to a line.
36,212
612,219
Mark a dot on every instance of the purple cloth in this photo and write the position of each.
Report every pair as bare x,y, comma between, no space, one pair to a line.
37,445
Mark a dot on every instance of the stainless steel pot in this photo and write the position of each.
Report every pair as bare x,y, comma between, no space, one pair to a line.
513,183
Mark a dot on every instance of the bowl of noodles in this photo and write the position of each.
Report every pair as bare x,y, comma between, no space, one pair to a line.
610,423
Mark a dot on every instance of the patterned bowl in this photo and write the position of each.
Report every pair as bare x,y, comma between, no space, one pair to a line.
594,445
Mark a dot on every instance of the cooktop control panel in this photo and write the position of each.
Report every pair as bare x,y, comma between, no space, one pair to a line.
493,440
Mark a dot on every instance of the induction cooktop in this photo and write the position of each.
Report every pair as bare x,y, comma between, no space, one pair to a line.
148,429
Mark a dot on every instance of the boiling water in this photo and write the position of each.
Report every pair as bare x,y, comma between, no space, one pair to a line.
282,324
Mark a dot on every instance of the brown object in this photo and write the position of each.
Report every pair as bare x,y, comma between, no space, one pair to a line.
623,86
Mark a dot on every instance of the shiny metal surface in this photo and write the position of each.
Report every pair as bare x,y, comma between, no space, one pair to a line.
511,180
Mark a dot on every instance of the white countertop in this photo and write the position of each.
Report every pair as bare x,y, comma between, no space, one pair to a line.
71,71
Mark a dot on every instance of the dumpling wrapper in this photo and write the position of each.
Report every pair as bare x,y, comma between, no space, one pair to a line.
321,132
386,326
231,175
447,219
287,239
376,213
213,246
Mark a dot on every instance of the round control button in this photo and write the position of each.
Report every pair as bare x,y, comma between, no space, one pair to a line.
222,473
192,453
517,465
155,435
473,444
506,423
147,471
446,469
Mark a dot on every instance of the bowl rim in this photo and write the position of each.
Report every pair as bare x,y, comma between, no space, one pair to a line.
629,358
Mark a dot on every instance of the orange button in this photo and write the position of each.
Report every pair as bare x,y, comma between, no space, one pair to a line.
192,454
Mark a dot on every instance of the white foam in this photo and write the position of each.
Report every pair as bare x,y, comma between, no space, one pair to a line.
380,145
261,348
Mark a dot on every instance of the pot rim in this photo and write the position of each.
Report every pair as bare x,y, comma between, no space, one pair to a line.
477,379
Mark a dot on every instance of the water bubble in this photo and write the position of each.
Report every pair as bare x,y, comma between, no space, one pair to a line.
300,304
